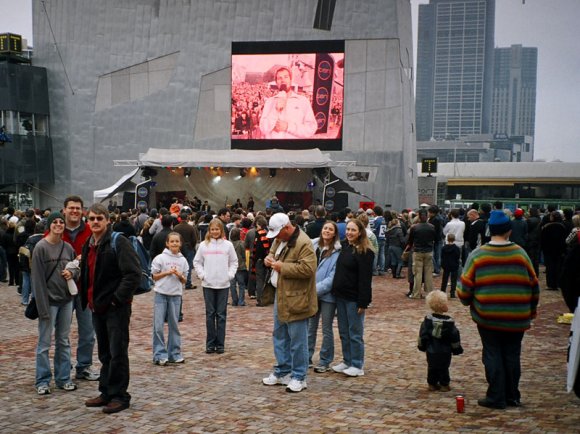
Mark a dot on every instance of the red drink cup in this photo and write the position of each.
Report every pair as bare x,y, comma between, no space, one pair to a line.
460,401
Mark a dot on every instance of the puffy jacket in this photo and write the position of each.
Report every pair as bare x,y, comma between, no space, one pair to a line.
438,335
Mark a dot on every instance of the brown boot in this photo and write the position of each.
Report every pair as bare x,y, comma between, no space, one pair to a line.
99,401
115,407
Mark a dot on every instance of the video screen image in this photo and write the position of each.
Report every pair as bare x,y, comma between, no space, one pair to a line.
291,100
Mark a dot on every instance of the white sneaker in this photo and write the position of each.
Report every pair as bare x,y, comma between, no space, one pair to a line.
340,367
272,380
296,386
353,372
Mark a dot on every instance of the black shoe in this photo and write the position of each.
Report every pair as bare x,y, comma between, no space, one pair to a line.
513,403
485,403
210,350
220,351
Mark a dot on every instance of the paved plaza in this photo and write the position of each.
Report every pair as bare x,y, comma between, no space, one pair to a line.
224,393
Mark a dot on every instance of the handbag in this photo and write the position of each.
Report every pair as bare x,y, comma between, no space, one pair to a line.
31,311
405,255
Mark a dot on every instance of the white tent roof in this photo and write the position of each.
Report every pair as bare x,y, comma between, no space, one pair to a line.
272,158
100,195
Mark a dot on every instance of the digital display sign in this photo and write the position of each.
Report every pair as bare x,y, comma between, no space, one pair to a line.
287,95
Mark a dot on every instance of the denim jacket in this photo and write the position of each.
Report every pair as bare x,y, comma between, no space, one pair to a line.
325,273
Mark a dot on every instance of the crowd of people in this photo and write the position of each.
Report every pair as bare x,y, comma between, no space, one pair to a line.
312,265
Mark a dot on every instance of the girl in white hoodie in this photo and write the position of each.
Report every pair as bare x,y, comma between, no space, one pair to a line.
216,264
169,270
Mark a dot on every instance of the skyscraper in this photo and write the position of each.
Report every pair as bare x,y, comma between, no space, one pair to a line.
454,68
514,91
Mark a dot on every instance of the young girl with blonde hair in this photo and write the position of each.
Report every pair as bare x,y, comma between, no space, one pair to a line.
216,264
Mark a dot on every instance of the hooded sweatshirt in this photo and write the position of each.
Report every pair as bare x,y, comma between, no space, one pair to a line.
169,285
216,263
438,335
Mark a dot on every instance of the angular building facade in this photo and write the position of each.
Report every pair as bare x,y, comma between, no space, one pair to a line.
26,159
147,74
454,68
514,91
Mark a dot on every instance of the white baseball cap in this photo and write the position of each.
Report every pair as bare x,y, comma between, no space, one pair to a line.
276,223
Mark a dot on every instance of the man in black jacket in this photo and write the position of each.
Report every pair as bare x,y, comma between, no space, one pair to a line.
421,240
109,277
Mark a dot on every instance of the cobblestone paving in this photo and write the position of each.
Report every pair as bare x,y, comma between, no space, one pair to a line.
224,393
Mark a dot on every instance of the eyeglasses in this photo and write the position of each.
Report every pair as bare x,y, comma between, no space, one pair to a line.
57,222
98,218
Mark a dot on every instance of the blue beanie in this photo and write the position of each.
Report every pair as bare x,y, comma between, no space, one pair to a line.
499,223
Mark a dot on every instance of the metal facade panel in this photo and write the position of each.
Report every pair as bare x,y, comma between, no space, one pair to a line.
99,38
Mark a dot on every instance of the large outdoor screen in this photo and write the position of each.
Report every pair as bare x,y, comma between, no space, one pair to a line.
287,95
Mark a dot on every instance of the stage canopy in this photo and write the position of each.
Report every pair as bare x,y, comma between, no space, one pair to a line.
270,158
125,183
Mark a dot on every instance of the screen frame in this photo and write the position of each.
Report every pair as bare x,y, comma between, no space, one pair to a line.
288,47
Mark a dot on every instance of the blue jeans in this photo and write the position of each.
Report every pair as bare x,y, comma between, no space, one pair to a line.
86,332
327,311
166,306
26,288
189,255
216,305
437,246
290,347
380,257
351,330
112,330
238,298
59,321
501,358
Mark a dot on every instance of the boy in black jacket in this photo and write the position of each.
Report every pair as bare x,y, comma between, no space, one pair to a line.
450,257
439,338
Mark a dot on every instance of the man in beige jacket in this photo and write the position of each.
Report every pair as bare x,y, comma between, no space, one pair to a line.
293,273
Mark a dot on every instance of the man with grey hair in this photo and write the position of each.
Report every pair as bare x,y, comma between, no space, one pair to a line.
110,274
293,264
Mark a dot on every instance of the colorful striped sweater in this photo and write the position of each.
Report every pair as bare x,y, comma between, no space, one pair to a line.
500,287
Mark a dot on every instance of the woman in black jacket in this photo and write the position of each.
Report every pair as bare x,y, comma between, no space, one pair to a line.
352,288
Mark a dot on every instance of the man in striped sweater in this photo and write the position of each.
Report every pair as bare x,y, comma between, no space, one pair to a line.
500,286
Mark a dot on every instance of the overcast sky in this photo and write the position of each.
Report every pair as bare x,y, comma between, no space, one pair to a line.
550,25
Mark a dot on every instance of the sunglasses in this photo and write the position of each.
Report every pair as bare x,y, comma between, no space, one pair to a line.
57,222
98,218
